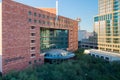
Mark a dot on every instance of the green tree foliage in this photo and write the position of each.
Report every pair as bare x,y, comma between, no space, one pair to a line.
84,67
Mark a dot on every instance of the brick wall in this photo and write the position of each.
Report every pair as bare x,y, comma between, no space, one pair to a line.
0,37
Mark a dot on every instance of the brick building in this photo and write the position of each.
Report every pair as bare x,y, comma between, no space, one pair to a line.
25,32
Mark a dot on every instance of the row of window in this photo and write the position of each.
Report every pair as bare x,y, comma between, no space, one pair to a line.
53,39
33,34
99,56
49,55
103,17
116,5
35,61
38,21
48,17
117,46
47,22
52,35
39,15
114,50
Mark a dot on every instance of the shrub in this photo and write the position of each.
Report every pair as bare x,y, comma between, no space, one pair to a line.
84,67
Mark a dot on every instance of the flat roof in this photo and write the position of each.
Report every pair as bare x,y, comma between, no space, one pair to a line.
105,53
18,2
58,54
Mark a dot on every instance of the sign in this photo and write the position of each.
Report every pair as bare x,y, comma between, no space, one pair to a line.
13,59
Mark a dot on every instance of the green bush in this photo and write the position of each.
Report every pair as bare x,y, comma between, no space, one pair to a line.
84,67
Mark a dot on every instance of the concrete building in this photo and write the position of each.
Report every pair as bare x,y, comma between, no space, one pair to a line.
26,32
87,40
82,34
107,25
108,56
90,43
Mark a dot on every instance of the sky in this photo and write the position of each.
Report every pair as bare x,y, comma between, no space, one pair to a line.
85,9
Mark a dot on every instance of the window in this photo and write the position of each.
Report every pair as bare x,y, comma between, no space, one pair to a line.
47,17
48,23
32,48
102,57
29,13
35,21
89,54
32,55
97,56
32,41
39,15
35,14
43,16
93,55
30,62
43,22
32,27
30,20
39,59
32,34
35,61
39,21
107,58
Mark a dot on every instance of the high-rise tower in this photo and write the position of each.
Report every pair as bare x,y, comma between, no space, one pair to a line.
107,25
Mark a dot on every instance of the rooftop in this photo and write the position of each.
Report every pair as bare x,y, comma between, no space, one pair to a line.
58,54
105,53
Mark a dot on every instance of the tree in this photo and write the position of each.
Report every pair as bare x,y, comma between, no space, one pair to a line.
84,67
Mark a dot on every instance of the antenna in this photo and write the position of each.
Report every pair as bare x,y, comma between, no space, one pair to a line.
56,10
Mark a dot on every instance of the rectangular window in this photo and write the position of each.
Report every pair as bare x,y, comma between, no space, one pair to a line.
32,34
30,62
32,55
48,23
32,41
35,14
43,22
35,21
32,48
39,15
39,59
47,17
30,20
35,61
43,16
29,13
39,21
32,27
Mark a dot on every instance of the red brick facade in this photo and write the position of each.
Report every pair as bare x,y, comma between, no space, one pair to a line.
17,20
51,10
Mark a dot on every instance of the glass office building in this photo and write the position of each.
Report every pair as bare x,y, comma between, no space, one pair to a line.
53,39
107,25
